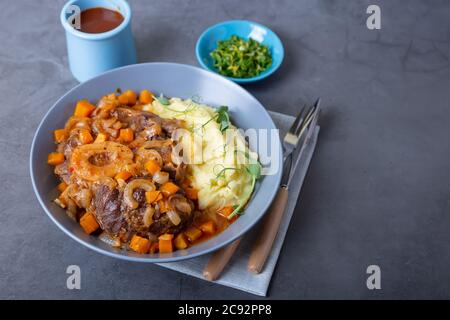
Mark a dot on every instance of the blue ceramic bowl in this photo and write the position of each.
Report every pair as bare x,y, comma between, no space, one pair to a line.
175,80
244,29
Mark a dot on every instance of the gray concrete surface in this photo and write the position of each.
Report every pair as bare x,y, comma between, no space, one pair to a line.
378,190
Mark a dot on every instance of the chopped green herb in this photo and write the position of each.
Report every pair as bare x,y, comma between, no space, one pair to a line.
223,119
163,100
224,169
239,58
166,103
253,169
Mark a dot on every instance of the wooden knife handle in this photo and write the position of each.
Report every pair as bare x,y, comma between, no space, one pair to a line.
219,260
268,232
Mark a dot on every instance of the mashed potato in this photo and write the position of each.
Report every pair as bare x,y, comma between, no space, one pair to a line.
217,172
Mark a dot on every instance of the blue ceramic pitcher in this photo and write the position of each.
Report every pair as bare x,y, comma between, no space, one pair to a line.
91,54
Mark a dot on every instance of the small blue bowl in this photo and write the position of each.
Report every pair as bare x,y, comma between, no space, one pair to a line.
244,29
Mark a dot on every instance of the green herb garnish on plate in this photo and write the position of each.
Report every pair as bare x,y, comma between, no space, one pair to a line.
239,58
253,169
221,117
163,100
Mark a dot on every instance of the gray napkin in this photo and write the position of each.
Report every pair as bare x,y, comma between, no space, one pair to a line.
235,274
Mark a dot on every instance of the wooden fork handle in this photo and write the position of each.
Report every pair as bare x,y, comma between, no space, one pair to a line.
219,260
268,232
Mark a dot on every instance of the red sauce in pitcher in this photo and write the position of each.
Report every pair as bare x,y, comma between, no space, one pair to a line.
98,20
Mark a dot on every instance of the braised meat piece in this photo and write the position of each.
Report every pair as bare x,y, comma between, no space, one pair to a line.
67,146
139,195
183,207
164,225
140,120
108,212
135,217
62,170
115,218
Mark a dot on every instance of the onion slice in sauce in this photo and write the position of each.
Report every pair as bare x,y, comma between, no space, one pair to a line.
106,238
133,185
148,216
174,217
161,177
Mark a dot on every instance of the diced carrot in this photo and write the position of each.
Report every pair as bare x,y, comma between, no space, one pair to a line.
60,135
101,137
55,158
153,196
124,175
166,236
129,97
88,223
169,188
165,246
181,242
132,97
152,166
126,135
191,193
208,227
165,243
83,108
226,211
139,244
85,136
163,206
154,247
145,97
123,99
62,186
193,233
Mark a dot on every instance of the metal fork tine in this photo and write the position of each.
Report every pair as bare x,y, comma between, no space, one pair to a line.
298,121
317,103
310,115
306,121
313,110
